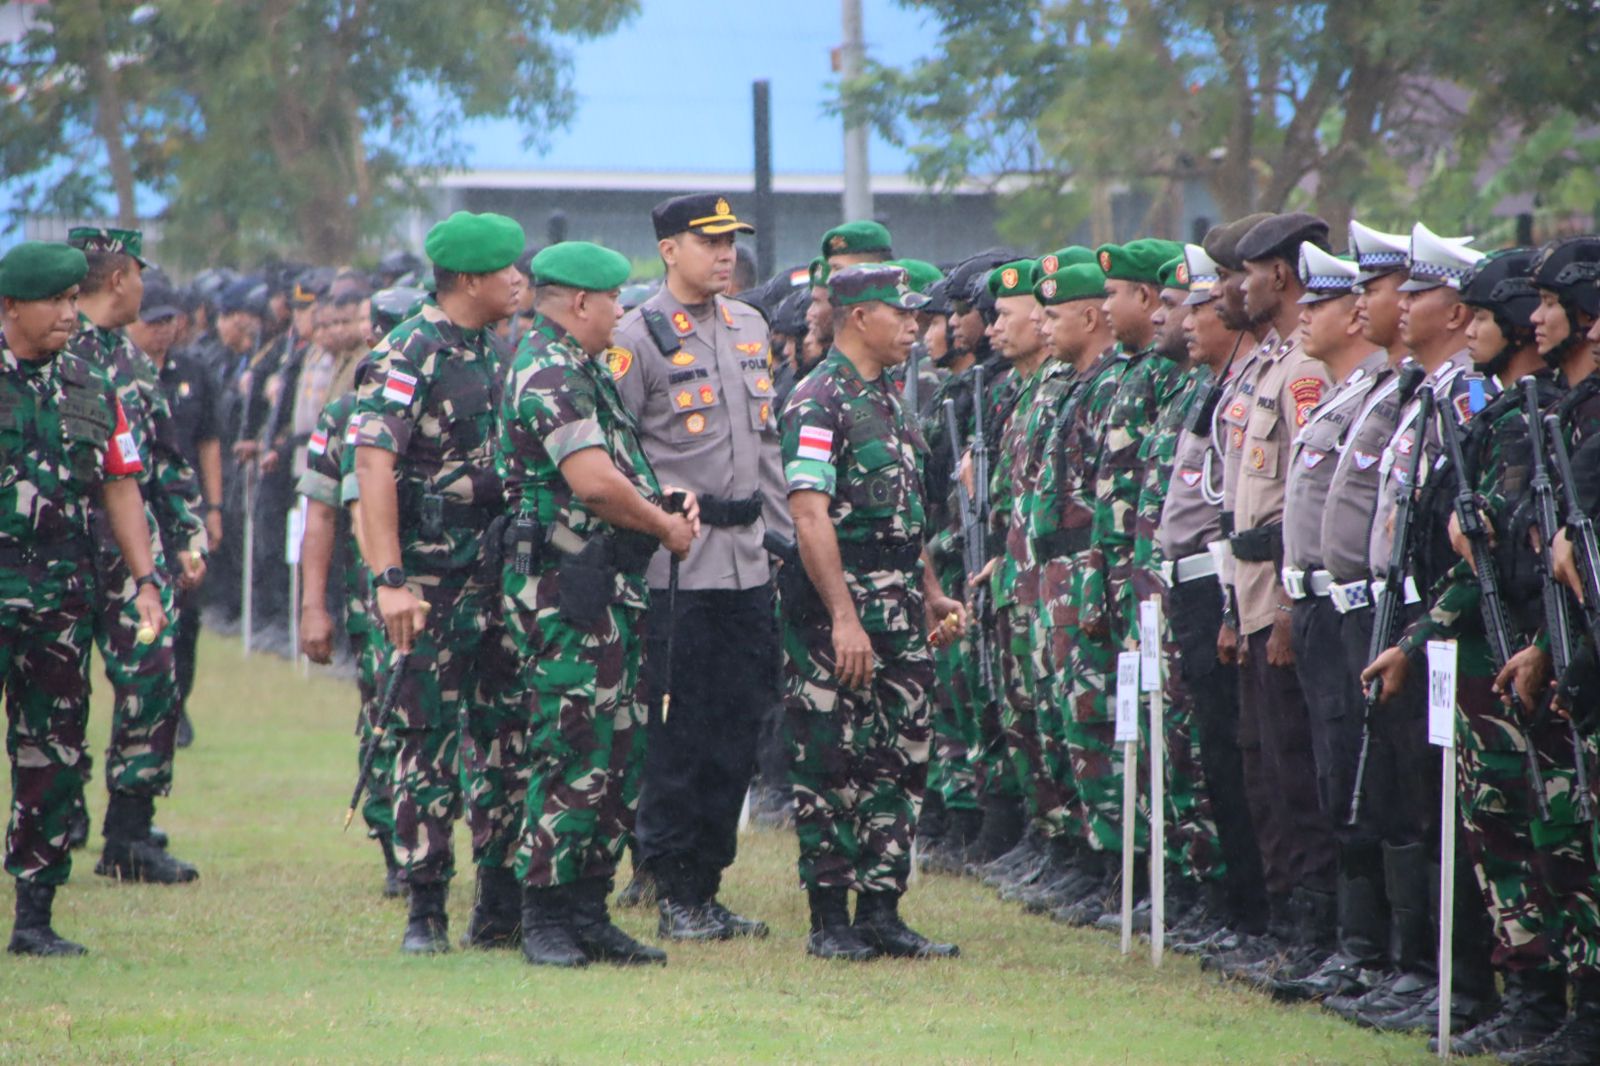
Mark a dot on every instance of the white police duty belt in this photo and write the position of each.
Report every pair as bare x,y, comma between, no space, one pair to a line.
1300,584
1354,595
1189,568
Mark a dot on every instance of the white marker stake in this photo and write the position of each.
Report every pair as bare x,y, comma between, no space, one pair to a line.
1441,731
1150,681
295,535
1128,736
247,564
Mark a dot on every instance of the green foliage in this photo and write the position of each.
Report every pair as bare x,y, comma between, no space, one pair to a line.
285,952
285,125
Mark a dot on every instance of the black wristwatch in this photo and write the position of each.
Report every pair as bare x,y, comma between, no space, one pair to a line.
392,577
153,579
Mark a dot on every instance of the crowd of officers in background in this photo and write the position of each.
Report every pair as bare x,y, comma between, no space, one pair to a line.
857,548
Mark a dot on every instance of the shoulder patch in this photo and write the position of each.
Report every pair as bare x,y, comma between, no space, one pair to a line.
1307,393
750,347
621,361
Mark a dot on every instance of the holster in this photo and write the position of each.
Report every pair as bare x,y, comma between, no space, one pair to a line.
588,584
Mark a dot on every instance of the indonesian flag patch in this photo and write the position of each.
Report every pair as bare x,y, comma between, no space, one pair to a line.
319,443
815,443
352,431
399,387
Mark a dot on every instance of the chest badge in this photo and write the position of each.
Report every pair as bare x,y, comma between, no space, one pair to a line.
1258,458
681,358
1311,458
684,399
695,423
708,394
1237,440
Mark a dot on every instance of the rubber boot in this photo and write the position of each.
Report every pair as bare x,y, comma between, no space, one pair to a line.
496,910
129,854
1363,922
1533,1008
878,923
710,884
427,926
832,936
683,912
1576,1043
393,887
548,934
32,935
1413,941
595,933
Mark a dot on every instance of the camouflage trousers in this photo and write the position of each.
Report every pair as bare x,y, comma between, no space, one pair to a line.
444,695
1539,878
144,679
1021,717
585,727
371,651
954,710
44,672
858,758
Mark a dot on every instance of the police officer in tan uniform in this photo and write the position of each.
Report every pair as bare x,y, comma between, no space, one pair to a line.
1280,775
695,368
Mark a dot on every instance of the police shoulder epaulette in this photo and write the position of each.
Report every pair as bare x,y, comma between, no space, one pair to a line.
661,330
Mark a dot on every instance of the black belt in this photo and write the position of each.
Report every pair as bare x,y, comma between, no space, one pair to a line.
1061,543
1227,523
1263,544
723,512
875,557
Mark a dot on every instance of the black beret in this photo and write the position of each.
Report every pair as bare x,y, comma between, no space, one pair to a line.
1280,237
1221,242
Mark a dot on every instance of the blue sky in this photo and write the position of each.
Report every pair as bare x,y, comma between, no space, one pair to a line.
671,90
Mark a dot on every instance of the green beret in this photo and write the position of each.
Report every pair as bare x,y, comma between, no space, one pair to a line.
922,273
1139,260
851,237
38,270
475,244
1013,279
1071,255
105,239
867,282
1080,281
819,272
1174,275
580,265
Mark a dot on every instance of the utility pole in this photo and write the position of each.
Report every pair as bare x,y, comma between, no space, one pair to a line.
857,177
766,235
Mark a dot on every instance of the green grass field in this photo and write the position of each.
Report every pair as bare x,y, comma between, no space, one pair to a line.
284,951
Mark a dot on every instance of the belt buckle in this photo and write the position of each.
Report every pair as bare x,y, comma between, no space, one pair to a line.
1169,572
1294,583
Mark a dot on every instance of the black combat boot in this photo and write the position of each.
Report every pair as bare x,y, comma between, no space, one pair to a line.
1313,940
878,924
32,934
640,891
78,826
427,927
393,887
949,854
1025,856
998,832
1576,1043
1533,1008
710,884
595,933
683,912
1363,928
130,855
496,910
1413,942
932,822
185,734
832,935
549,937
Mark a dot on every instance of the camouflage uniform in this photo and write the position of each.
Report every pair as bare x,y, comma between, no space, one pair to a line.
323,480
143,677
1072,596
430,399
583,717
859,757
62,432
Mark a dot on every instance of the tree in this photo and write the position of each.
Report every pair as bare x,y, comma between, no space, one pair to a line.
293,125
1270,105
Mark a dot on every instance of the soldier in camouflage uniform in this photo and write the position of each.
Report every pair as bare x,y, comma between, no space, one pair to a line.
143,676
858,667
587,516
64,442
424,427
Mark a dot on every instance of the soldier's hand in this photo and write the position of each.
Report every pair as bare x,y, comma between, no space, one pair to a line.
246,450
1391,667
151,616
1227,645
269,462
678,535
1280,642
854,662
964,471
983,575
403,615
316,633
214,528
194,570
690,508
1566,565
946,619
1527,673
